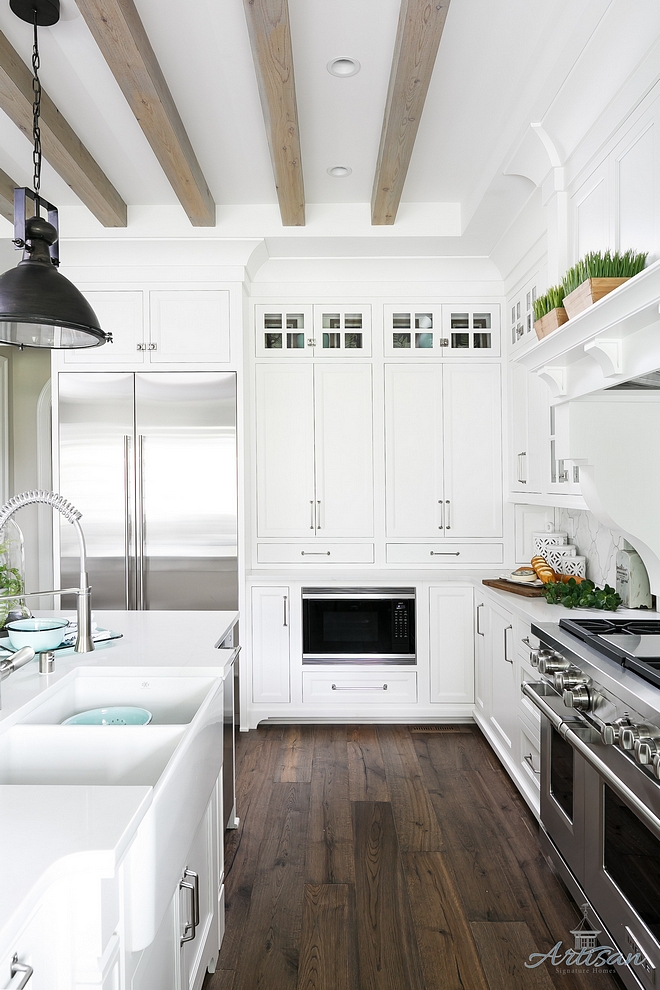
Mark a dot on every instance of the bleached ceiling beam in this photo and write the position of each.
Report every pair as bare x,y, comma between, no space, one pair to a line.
7,186
270,38
62,148
120,34
421,24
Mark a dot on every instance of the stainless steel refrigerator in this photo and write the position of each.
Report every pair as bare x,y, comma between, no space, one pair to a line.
150,461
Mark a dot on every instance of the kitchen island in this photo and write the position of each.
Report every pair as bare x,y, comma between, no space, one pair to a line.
93,891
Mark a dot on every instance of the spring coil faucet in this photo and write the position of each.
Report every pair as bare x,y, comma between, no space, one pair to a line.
84,642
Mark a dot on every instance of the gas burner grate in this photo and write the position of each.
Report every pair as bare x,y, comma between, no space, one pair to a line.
635,627
594,626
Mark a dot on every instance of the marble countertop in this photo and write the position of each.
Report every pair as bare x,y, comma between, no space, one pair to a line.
56,829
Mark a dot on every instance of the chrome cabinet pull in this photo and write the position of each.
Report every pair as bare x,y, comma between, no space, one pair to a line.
311,506
314,553
528,760
190,882
506,654
442,514
318,515
17,968
448,517
152,347
479,632
285,623
365,687
141,347
445,553
522,463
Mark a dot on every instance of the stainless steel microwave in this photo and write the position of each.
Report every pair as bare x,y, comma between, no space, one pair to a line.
359,625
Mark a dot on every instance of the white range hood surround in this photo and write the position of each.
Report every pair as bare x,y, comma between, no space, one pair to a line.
614,437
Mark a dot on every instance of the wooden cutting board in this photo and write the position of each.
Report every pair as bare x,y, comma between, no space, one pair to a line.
516,589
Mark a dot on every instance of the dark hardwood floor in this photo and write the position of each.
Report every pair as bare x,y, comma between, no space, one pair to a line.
382,858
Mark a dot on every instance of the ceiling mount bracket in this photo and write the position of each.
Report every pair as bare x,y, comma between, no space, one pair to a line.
47,11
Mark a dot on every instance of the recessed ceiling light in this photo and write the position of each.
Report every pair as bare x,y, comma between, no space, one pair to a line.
343,66
339,171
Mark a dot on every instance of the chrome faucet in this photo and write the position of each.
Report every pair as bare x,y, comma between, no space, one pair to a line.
15,662
84,642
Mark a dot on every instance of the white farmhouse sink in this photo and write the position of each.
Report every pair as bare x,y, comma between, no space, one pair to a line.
179,754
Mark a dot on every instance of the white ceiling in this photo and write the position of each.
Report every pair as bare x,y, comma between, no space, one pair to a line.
501,65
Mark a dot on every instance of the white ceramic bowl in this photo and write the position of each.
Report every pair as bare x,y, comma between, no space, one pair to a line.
40,634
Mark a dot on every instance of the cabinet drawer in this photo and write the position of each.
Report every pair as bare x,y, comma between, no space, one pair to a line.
441,554
315,553
530,756
352,687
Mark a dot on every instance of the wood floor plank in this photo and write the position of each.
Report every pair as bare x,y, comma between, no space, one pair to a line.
415,818
366,770
271,936
295,763
388,957
328,950
330,831
450,960
504,948
222,979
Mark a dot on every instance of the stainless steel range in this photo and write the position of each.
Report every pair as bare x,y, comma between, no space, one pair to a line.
599,695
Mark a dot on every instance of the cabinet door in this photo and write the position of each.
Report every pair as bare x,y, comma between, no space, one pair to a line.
504,687
188,326
342,331
285,450
413,452
414,332
197,904
270,645
519,449
452,645
482,667
471,331
284,331
121,314
31,949
158,965
344,450
473,450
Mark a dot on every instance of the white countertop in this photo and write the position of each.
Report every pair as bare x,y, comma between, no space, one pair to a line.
57,829
538,610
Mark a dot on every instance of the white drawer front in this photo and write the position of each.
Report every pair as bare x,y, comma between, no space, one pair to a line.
315,553
441,554
355,688
530,755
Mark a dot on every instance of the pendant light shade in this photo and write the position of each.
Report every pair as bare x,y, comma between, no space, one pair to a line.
39,307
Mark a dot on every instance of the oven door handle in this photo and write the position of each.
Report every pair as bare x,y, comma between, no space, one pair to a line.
591,758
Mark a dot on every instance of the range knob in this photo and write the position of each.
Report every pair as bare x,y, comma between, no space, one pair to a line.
578,697
655,764
611,731
630,734
645,750
565,680
551,662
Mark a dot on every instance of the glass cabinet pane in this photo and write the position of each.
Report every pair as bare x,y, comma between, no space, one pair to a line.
481,339
460,340
481,321
273,321
400,340
295,340
423,340
332,340
460,321
401,321
423,321
273,340
331,321
352,321
295,321
352,340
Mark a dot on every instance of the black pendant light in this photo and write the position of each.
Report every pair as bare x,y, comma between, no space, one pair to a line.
39,307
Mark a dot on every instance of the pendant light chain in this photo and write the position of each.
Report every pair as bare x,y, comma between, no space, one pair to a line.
36,110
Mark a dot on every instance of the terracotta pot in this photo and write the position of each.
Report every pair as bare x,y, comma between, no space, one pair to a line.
551,321
588,293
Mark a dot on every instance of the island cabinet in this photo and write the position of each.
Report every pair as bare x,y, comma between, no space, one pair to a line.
314,469
443,481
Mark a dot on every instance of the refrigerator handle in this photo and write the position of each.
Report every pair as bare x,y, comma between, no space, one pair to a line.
127,519
139,516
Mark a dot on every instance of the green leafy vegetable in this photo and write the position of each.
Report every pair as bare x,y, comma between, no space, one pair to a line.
583,595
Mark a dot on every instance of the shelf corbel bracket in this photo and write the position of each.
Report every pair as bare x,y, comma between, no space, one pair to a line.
555,378
608,354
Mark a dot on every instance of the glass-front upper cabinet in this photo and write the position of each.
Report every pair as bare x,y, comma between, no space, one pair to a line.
442,331
313,331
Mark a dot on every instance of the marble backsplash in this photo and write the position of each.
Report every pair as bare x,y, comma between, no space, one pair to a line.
594,541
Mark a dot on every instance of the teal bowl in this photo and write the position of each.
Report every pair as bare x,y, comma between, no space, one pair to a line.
111,716
40,634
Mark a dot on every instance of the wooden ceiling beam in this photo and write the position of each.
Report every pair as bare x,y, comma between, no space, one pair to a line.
270,38
60,145
120,34
421,24
7,186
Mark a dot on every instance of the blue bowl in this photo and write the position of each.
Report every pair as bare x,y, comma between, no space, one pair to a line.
111,716
40,634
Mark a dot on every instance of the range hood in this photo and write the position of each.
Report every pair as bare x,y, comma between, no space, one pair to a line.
614,437
650,381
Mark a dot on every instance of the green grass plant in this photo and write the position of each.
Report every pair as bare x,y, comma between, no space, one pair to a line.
552,299
606,264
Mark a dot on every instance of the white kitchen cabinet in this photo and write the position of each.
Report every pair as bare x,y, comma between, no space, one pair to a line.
196,904
482,678
158,327
448,331
271,677
451,642
443,451
504,689
529,431
314,440
29,948
320,331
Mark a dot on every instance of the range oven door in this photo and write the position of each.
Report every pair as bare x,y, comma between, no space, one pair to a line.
562,796
622,858
359,625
